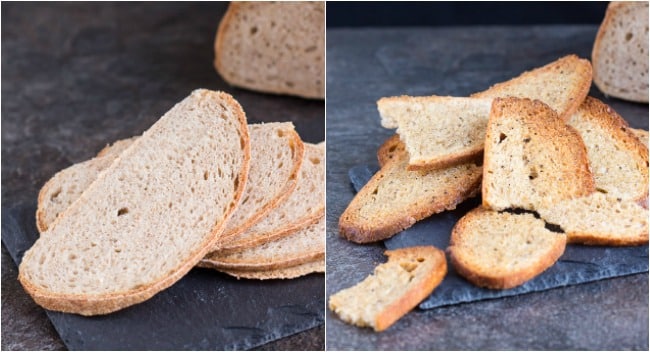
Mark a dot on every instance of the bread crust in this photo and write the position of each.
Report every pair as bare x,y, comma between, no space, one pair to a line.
89,304
293,272
215,262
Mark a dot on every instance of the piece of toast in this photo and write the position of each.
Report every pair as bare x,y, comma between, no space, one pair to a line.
502,250
620,52
600,219
317,266
303,207
395,287
274,47
438,131
532,158
617,159
150,216
395,198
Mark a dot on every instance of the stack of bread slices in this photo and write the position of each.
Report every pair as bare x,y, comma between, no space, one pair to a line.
201,187
538,150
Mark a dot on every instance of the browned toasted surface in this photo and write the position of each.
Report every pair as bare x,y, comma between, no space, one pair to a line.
317,266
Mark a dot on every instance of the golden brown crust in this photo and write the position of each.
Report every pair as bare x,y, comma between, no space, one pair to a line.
233,7
284,273
387,151
86,304
606,239
218,263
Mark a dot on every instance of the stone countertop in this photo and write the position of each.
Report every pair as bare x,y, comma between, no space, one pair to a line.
366,64
76,77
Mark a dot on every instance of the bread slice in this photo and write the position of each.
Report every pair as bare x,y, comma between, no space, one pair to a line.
395,198
617,159
395,287
276,156
305,245
68,184
150,216
532,158
438,131
275,47
390,149
562,84
502,250
303,207
642,135
600,219
620,52
317,266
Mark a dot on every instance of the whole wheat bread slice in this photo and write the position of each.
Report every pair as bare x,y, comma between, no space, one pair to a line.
395,198
642,135
395,287
304,245
620,52
68,184
617,159
276,47
317,266
532,158
303,207
502,250
276,157
150,216
600,219
438,131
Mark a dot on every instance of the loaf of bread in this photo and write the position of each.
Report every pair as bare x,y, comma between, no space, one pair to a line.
502,250
396,287
600,219
620,52
317,266
532,158
150,216
274,47
617,159
303,207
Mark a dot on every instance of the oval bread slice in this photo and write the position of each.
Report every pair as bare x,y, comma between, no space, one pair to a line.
150,216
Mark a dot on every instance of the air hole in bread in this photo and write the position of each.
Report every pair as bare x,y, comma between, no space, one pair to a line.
72,256
289,84
533,174
236,183
408,266
55,194
118,250
280,165
527,139
420,259
253,30
205,175
628,36
502,136
314,161
310,49
601,190
122,211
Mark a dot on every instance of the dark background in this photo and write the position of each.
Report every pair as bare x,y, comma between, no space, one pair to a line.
365,14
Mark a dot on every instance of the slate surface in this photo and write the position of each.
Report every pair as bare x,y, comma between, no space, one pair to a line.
578,264
364,65
77,76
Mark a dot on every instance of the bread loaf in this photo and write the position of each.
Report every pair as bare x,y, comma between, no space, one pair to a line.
150,216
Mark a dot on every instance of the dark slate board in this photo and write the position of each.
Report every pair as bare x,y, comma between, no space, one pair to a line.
205,310
578,264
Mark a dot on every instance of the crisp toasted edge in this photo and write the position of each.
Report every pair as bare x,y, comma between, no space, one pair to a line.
380,230
389,149
298,154
86,304
641,135
610,16
416,294
592,239
579,93
498,282
215,262
293,272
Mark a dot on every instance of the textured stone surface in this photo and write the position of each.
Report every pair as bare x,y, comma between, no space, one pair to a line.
76,77
366,64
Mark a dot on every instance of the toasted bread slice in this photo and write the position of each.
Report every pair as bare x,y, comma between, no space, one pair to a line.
562,84
438,131
396,287
150,216
532,158
389,149
317,266
600,219
617,159
395,198
502,250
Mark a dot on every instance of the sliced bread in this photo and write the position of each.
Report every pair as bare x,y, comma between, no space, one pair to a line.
150,216
617,159
620,52
395,198
600,219
438,131
275,47
276,156
562,84
502,250
67,185
304,245
532,158
317,266
389,149
395,287
303,207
